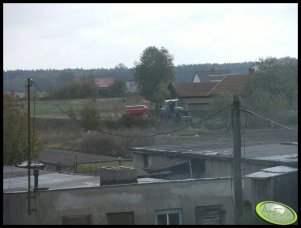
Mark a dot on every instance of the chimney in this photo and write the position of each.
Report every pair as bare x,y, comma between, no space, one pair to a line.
117,175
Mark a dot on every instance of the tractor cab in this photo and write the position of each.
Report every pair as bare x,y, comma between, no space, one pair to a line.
173,109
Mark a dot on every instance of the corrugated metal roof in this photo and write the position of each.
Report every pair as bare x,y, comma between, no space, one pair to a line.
262,153
280,169
55,181
286,158
272,172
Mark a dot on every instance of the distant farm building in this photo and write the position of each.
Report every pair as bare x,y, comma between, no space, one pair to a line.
210,75
131,86
104,84
199,96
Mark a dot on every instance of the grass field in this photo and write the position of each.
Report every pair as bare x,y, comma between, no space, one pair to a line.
108,107
57,135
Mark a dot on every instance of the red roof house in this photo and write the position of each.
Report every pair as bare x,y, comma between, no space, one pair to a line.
104,83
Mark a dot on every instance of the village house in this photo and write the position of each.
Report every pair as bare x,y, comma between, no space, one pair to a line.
199,96
210,75
104,84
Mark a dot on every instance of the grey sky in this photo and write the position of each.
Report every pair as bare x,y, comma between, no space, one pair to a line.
58,36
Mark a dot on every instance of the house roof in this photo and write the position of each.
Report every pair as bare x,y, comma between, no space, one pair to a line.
165,164
193,89
60,181
205,75
231,84
104,82
272,172
262,153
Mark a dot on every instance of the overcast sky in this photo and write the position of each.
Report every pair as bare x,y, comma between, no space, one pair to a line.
59,36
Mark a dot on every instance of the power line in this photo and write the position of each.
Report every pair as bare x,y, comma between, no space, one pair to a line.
256,114
145,136
49,98
166,132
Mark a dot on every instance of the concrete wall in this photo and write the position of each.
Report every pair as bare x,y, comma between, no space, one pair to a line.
120,174
154,159
142,199
215,168
138,162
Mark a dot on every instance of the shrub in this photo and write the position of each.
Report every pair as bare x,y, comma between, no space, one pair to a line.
128,120
89,116
110,145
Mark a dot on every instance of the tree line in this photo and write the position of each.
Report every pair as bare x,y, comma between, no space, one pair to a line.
86,88
50,78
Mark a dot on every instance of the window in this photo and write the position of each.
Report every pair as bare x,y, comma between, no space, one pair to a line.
145,160
121,218
76,220
209,215
169,217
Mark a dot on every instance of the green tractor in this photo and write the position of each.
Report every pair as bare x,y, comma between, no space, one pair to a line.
173,110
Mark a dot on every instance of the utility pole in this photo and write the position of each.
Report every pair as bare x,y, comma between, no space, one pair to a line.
29,161
237,161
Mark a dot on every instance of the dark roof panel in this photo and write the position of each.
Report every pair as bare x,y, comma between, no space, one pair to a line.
231,84
193,89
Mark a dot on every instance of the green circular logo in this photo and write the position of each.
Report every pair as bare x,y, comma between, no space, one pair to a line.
276,213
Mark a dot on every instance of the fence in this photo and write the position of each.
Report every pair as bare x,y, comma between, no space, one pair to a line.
85,168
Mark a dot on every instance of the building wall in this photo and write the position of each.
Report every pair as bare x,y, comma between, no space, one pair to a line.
138,162
285,189
196,79
215,168
197,108
282,188
131,86
142,199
